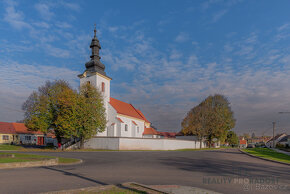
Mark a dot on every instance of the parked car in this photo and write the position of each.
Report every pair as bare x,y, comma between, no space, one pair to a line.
250,146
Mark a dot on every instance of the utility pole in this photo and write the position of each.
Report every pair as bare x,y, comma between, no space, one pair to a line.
274,123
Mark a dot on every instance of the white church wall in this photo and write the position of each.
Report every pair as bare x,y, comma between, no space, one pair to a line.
140,124
112,129
106,93
119,129
157,144
131,126
106,143
127,143
126,121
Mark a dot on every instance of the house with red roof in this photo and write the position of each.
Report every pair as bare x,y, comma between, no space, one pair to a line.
7,133
243,143
17,133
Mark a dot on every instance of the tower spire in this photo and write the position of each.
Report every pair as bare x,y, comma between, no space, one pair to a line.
95,31
95,65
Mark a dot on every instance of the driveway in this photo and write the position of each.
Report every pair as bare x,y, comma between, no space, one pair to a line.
225,171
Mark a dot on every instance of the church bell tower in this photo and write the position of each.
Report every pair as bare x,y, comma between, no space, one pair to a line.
95,72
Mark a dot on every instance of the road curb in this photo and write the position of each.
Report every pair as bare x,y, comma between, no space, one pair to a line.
46,162
67,164
145,186
269,160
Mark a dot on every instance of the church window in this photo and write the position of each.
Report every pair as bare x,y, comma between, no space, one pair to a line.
137,129
126,127
88,82
103,87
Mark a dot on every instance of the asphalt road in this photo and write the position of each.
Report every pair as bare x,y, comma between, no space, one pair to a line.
225,171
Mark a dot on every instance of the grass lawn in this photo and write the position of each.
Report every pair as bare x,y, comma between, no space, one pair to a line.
126,188
268,154
9,147
20,157
120,191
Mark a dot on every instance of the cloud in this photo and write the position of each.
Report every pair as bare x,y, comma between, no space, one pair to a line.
44,10
41,25
182,37
283,27
13,17
219,15
283,32
207,4
70,5
57,52
166,85
175,54
26,78
63,25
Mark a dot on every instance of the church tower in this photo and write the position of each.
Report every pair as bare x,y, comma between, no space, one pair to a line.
95,72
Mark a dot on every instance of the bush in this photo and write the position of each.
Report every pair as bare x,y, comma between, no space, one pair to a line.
279,145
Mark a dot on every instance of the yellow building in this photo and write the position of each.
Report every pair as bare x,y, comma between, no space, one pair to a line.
7,133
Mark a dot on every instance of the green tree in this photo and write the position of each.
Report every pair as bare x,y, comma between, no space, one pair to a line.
91,113
232,138
212,118
193,123
253,135
246,135
56,106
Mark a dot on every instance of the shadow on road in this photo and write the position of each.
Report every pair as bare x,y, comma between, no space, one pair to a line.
227,167
76,175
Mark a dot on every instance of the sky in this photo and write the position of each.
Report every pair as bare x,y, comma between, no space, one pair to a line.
164,56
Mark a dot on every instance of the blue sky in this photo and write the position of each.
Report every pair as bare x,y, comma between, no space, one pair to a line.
164,56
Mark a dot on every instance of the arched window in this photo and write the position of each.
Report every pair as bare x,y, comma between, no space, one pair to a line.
103,87
137,129
126,127
88,82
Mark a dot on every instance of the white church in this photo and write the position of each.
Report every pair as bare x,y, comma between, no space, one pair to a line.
124,120
127,127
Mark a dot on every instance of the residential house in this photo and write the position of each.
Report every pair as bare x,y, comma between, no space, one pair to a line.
151,133
243,143
277,138
7,133
284,141
17,133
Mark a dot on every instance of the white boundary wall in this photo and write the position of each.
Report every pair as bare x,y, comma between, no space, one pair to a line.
125,143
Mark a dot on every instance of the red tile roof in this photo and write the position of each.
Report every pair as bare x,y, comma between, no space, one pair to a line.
144,118
167,134
126,109
243,142
18,128
150,131
7,128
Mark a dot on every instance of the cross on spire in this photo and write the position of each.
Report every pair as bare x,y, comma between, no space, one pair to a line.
95,65
95,30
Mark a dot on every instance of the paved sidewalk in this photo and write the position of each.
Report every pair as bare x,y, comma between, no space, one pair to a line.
177,189
281,151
